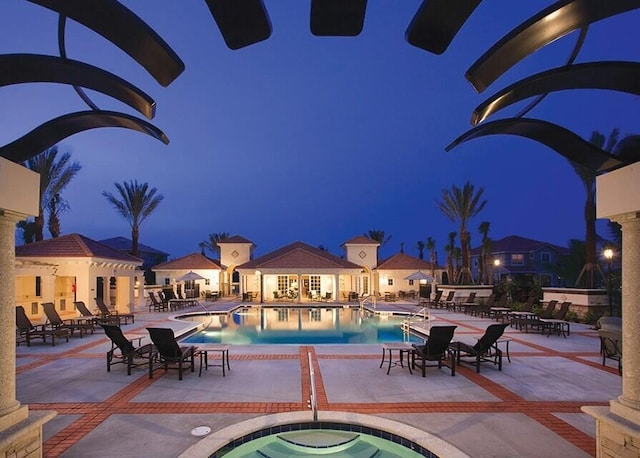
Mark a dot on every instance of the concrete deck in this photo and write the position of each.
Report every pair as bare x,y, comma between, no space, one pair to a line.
529,409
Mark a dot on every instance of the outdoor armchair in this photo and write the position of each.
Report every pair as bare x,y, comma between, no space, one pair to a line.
123,351
170,351
435,349
611,346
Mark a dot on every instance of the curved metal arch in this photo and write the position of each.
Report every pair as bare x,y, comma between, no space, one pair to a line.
37,68
437,22
127,31
615,76
559,139
548,25
241,23
337,18
55,130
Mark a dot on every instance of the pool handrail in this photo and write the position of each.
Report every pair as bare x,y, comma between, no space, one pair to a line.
313,403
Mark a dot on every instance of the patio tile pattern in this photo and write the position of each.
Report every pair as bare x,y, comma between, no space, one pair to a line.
531,408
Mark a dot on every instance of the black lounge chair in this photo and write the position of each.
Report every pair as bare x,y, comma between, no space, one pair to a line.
446,302
526,319
611,346
27,331
170,352
485,350
106,313
123,351
54,322
484,307
435,349
95,319
158,305
432,303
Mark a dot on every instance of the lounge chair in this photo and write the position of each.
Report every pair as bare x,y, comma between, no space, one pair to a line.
528,319
432,303
95,319
447,301
484,310
170,352
469,302
485,350
158,305
557,324
611,346
54,322
106,313
435,349
123,351
27,331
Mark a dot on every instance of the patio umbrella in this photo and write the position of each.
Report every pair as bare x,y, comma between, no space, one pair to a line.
419,275
191,275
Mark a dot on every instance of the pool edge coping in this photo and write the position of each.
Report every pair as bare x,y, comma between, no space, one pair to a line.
218,439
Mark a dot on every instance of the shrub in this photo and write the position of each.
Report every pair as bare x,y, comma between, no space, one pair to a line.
572,316
591,317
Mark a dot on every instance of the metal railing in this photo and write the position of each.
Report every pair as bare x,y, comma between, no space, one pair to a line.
371,299
313,400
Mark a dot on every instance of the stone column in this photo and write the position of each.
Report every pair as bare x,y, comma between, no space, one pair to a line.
10,410
630,398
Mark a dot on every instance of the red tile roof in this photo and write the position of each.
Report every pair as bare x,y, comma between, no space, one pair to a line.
402,261
361,240
517,244
189,262
236,239
299,255
72,246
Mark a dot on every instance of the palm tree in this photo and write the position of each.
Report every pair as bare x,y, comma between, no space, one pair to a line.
460,205
57,206
55,174
378,236
431,246
588,177
214,238
485,250
450,249
135,202
420,249
28,228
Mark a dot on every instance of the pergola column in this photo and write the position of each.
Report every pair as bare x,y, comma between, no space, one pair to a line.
10,409
618,426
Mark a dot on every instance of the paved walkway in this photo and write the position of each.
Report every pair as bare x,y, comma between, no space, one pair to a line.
529,409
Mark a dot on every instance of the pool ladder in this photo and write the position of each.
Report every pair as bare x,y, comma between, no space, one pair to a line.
408,322
371,298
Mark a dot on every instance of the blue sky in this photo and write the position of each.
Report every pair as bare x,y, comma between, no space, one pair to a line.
318,139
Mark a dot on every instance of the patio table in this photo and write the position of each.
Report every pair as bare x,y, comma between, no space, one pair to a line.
402,349
203,351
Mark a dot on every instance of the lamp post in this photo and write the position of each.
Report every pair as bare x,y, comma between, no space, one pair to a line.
496,265
608,255
261,286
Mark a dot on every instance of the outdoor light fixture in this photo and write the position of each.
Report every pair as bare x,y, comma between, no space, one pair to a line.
608,255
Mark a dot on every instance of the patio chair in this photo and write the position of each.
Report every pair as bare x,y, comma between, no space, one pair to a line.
170,352
435,349
106,313
611,346
448,300
95,319
123,351
485,350
28,331
468,303
557,324
432,303
484,310
55,322
158,305
527,319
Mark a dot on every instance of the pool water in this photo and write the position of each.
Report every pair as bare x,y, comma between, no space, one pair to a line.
320,442
299,325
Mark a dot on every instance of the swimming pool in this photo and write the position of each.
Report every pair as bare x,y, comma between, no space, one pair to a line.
298,325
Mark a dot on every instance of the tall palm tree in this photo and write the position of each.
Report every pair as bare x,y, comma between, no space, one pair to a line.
135,202
55,174
214,238
57,206
485,250
460,205
28,228
420,245
431,246
588,177
450,249
378,236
